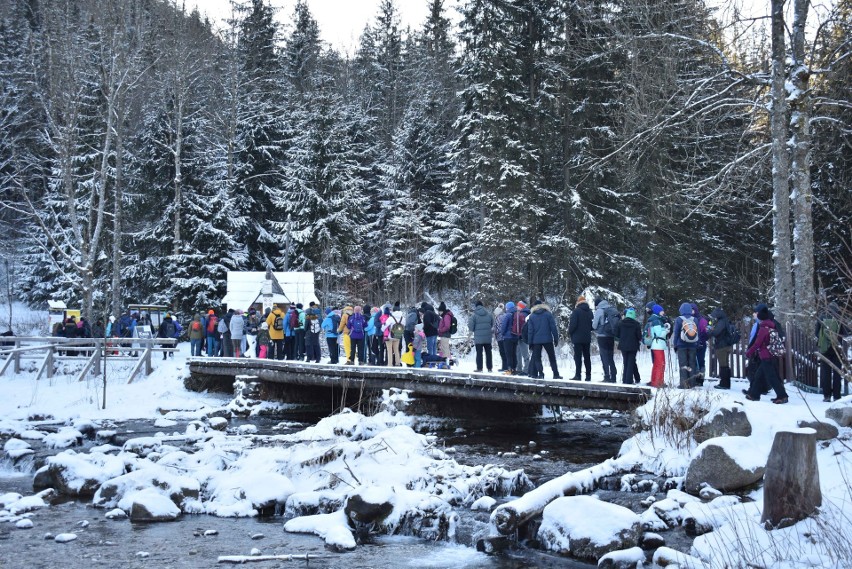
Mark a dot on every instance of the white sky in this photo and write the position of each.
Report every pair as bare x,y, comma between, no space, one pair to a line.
340,21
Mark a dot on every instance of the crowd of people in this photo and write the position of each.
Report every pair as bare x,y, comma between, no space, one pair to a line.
420,336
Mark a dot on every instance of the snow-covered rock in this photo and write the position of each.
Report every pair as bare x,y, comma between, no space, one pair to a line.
65,537
624,559
115,491
65,437
75,474
16,444
841,412
150,506
825,430
729,421
486,503
587,528
726,463
26,523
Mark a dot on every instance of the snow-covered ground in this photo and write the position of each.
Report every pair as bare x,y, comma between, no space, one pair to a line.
315,474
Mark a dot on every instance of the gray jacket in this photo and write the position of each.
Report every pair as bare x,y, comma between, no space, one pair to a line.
481,323
598,321
238,327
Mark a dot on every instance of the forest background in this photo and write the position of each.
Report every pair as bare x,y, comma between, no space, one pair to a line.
542,148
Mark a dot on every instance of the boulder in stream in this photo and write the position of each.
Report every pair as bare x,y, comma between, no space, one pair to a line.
726,464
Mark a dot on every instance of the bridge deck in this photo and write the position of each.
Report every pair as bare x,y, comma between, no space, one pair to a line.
429,382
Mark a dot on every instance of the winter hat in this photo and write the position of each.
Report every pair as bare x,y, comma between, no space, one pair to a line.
111,318
327,310
630,313
763,313
478,303
264,326
760,306
312,304
581,299
657,309
210,312
419,326
539,302
521,305
510,306
299,305
442,307
396,306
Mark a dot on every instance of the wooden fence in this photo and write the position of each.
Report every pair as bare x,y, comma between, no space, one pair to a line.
93,352
799,366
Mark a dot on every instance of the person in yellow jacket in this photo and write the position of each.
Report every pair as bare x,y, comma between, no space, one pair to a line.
343,332
276,333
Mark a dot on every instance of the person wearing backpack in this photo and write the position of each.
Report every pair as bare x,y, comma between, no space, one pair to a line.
685,340
828,333
393,329
275,326
196,335
510,340
480,324
542,334
522,353
356,326
580,332
766,371
701,345
167,330
723,344
329,327
604,324
210,323
262,341
444,332
412,318
313,327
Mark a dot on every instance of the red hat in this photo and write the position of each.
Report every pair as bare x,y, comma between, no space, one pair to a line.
210,311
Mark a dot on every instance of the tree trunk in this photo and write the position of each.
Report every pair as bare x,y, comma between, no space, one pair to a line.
780,170
791,490
117,219
800,142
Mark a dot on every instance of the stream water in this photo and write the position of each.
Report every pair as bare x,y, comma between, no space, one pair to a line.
544,451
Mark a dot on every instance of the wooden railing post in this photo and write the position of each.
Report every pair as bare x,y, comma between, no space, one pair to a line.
49,366
17,357
148,349
99,344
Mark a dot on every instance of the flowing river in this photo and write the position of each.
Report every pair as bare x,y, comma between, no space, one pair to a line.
544,451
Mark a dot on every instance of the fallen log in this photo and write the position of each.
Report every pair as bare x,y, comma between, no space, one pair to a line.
250,558
507,517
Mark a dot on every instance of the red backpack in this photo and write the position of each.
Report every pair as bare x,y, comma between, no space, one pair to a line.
196,325
211,324
518,323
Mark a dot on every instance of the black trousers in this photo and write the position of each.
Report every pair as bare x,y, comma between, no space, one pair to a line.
829,379
583,354
629,358
536,368
510,346
333,349
487,349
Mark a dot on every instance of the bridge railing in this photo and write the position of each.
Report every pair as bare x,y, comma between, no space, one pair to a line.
48,350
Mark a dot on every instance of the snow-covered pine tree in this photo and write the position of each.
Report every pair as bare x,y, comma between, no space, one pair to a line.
260,136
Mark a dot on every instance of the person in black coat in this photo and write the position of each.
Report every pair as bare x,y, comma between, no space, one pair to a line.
580,330
722,346
629,334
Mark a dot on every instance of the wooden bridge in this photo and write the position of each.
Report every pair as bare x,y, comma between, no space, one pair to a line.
471,393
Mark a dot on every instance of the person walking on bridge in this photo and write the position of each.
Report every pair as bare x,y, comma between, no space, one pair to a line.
480,324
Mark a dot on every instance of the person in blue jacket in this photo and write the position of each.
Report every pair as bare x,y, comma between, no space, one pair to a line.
542,334
329,326
510,340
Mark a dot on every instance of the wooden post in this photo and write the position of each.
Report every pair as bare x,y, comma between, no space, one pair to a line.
147,356
17,357
96,366
50,354
791,490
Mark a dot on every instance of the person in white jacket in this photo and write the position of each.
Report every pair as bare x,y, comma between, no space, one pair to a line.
393,329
